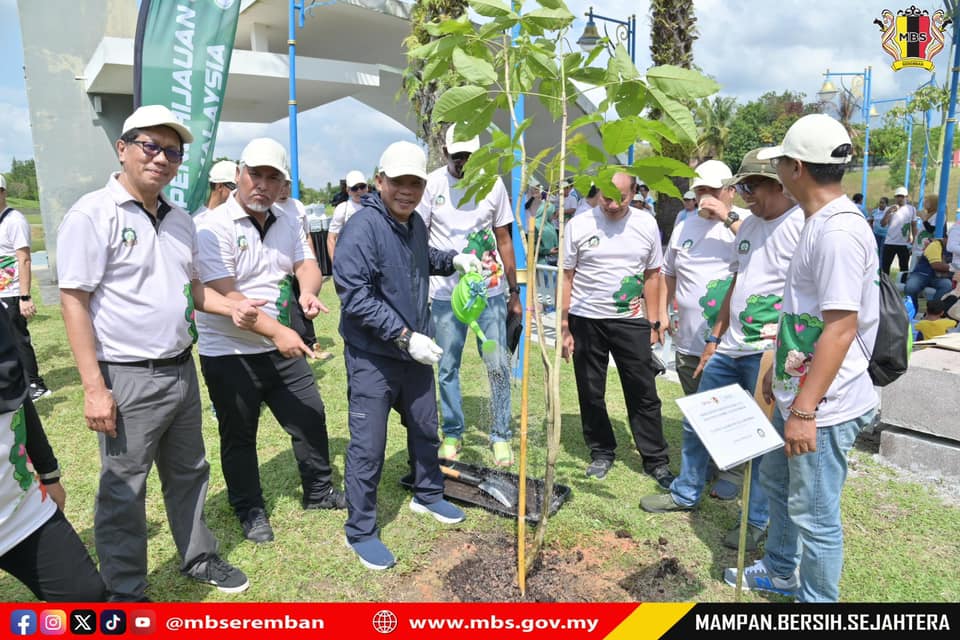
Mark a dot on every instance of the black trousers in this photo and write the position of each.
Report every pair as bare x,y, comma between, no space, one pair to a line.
22,338
902,252
238,385
298,320
53,563
628,340
377,384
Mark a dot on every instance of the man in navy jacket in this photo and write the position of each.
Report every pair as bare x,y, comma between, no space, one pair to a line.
381,271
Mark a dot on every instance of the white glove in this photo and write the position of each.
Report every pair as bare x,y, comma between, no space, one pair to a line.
423,349
466,262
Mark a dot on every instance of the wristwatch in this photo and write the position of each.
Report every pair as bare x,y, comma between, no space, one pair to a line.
403,340
655,326
712,339
514,290
26,298
732,219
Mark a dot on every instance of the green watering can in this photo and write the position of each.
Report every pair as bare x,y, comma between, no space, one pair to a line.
468,301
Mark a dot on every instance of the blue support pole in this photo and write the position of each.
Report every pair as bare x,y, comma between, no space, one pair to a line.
909,127
948,135
519,230
866,134
926,154
632,45
292,102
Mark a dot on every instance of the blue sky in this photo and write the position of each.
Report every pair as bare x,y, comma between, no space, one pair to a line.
749,46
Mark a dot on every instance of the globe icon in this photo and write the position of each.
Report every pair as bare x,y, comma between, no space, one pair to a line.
385,621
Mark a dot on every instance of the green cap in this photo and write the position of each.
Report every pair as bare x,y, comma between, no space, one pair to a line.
751,166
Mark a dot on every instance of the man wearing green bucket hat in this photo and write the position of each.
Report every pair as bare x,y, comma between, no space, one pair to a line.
480,227
381,271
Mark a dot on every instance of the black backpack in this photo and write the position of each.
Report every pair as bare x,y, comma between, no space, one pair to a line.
891,351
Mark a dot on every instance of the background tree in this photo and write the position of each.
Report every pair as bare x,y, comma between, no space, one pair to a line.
763,122
421,79
714,118
22,180
673,29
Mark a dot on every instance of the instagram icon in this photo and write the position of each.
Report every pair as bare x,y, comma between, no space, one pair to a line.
53,622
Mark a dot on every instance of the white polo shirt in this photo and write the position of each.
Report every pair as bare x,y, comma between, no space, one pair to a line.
342,213
295,209
138,277
699,255
14,235
609,258
466,228
230,246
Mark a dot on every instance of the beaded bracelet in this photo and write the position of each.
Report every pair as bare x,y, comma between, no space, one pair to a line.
803,415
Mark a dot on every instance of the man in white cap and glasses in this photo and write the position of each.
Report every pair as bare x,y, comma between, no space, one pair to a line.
899,219
223,176
823,391
249,248
689,206
357,188
744,329
382,272
482,228
128,288
15,281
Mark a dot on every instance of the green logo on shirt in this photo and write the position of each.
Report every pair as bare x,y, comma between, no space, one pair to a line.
190,314
795,343
283,300
686,244
439,201
18,451
744,247
628,297
713,299
759,319
129,236
242,243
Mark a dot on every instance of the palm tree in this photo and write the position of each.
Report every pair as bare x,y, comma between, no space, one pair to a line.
423,95
673,28
713,119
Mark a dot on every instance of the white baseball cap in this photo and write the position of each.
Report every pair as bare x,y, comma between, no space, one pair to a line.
711,173
813,138
465,146
223,171
901,191
403,159
156,115
265,152
3,182
355,177
689,195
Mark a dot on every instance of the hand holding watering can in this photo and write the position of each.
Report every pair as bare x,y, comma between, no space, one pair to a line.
469,297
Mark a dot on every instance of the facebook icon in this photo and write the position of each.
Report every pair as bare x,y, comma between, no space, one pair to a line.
23,622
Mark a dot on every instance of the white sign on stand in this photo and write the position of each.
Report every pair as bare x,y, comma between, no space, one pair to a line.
730,424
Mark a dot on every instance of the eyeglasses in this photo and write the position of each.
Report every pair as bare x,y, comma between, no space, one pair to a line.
463,156
358,187
152,149
749,188
230,185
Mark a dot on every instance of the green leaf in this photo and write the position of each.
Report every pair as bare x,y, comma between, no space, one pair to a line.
618,135
491,8
651,130
474,69
523,126
552,4
460,103
682,84
541,64
424,50
676,115
435,68
588,75
460,25
547,19
583,183
590,118
630,98
622,65
586,152
549,97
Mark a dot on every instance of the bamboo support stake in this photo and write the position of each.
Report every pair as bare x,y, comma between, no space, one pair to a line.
524,415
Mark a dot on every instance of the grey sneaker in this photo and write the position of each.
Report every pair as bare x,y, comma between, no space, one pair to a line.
598,468
216,571
757,578
661,503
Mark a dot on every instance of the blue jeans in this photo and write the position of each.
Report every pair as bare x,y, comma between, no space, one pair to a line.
917,282
451,336
687,488
804,496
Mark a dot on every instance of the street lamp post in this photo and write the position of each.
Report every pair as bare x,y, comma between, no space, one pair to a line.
626,32
908,127
827,91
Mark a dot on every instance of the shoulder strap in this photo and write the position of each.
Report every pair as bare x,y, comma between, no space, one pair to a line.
3,216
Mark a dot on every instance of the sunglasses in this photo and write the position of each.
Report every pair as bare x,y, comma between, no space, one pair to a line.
152,149
230,185
358,187
748,188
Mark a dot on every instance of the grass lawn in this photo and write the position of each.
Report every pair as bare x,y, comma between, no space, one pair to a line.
901,538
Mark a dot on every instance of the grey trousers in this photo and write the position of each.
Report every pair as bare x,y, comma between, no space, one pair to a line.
686,365
158,420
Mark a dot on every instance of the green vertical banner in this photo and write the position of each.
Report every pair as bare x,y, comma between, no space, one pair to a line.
181,60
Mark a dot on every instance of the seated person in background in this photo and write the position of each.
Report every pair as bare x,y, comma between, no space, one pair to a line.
931,270
935,323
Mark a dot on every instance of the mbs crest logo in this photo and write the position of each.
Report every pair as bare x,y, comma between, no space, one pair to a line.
913,36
